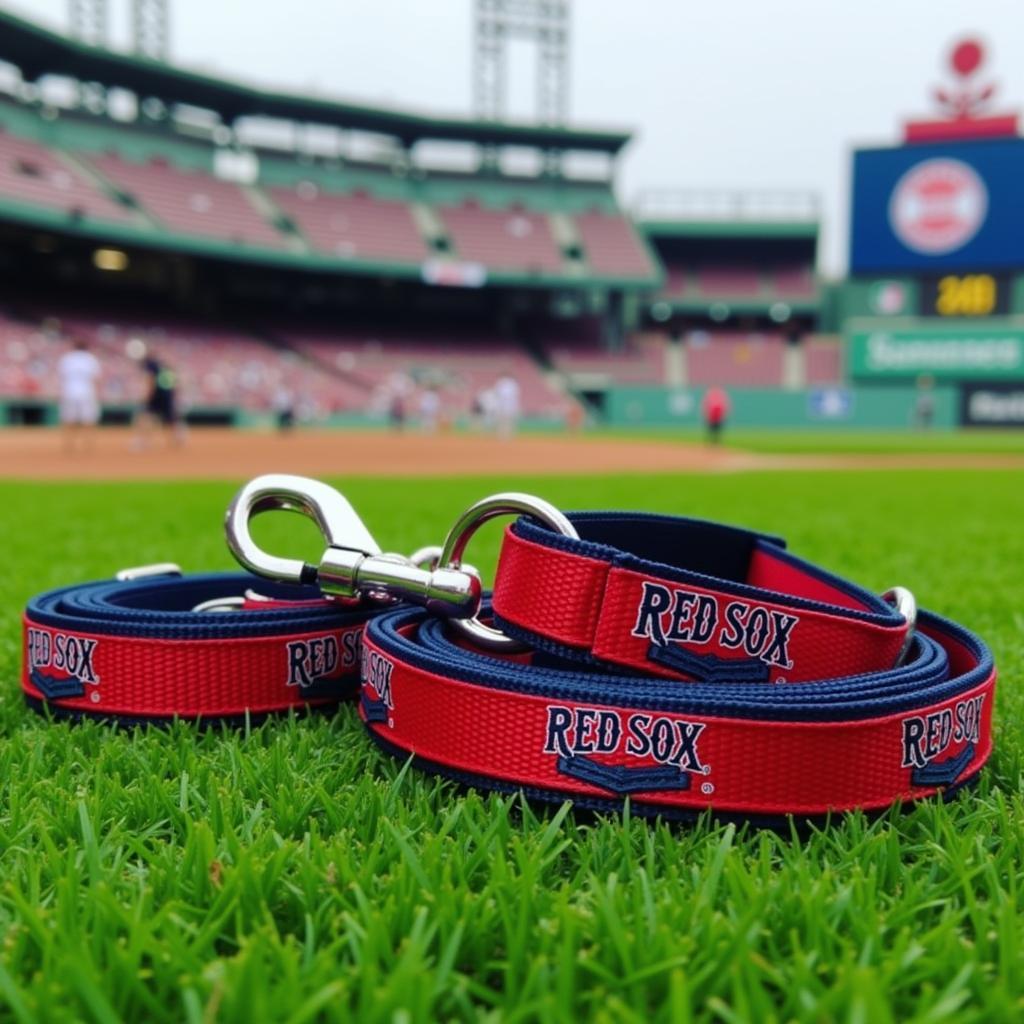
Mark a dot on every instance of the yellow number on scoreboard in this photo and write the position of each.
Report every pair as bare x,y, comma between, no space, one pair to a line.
970,295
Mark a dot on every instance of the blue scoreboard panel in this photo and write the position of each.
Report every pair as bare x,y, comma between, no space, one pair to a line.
930,209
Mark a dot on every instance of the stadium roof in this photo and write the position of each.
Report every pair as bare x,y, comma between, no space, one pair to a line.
721,213
38,51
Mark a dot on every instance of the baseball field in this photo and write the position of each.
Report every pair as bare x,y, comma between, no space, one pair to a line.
293,872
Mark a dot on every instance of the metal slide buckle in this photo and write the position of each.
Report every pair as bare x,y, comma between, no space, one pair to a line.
353,565
906,604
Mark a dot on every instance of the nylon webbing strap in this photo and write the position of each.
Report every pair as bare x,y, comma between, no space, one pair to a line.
135,651
688,666
682,664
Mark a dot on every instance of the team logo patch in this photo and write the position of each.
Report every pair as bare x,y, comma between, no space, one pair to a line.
376,676
319,658
938,206
927,737
672,744
670,617
71,659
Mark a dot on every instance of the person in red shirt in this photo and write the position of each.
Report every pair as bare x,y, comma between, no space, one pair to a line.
715,407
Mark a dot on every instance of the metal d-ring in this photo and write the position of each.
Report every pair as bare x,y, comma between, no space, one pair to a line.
906,604
507,503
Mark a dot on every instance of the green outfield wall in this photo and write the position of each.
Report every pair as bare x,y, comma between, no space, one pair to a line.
834,408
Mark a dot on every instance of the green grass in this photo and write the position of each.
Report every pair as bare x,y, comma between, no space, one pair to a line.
294,873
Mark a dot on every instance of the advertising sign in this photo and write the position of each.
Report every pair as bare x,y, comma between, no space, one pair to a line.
978,353
992,405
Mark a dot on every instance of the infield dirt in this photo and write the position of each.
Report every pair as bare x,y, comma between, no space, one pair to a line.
225,453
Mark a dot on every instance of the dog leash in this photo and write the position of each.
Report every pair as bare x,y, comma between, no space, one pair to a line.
153,644
685,664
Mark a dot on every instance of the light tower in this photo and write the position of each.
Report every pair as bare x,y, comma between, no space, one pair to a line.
150,28
150,18
88,20
543,22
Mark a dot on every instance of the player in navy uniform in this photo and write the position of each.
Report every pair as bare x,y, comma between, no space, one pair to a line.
160,404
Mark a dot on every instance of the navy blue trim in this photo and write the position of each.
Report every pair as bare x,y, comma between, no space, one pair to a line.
73,716
621,779
159,608
943,773
633,524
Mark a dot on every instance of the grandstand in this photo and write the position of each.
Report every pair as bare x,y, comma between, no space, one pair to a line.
269,244
328,273
740,291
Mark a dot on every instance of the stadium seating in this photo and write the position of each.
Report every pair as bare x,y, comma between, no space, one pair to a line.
354,226
217,368
460,365
577,348
29,350
611,246
190,202
735,359
513,239
32,173
794,281
823,360
678,281
225,368
728,281
642,361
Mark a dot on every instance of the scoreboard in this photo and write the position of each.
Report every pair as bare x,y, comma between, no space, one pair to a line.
960,295
953,211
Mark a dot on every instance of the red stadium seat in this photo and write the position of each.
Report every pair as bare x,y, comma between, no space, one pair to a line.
513,239
735,359
191,202
32,173
611,245
354,226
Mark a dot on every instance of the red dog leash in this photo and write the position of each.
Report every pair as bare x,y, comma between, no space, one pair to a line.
686,664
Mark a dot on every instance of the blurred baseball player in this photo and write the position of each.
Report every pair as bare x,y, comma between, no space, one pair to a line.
716,408
79,372
160,406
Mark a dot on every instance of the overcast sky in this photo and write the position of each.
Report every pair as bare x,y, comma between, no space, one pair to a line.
737,94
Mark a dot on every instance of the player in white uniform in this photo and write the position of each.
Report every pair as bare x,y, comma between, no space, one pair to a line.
79,372
506,392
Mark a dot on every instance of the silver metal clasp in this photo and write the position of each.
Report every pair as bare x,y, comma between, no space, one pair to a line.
352,565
